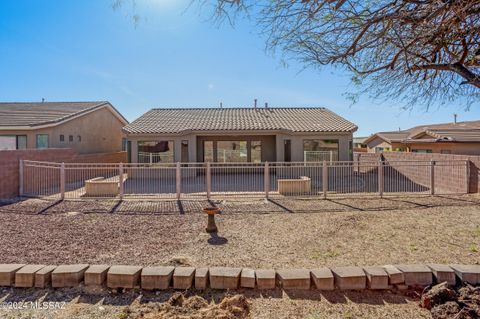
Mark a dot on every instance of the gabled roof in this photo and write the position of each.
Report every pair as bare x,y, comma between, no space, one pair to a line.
33,115
444,132
446,135
185,120
390,137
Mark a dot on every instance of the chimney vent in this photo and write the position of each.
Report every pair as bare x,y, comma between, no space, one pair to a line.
43,99
266,105
221,105
455,118
255,103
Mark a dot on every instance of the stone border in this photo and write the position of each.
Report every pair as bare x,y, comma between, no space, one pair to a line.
388,277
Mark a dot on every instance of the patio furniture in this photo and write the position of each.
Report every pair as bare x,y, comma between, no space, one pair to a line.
295,186
101,186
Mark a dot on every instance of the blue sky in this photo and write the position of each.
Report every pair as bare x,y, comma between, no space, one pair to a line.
85,50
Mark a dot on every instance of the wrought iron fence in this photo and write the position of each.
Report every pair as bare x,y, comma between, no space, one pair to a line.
223,180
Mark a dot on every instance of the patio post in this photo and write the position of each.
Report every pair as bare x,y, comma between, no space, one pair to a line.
62,181
120,180
325,179
20,178
178,179
209,179
380,178
432,177
266,179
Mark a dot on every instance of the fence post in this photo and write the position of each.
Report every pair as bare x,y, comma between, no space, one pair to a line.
62,181
380,178
120,180
266,179
20,178
325,179
331,156
432,177
178,179
209,180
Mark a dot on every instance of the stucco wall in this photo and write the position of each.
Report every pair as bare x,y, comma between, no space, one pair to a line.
100,131
272,144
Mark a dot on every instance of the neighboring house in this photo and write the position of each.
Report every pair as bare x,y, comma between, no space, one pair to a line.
239,135
359,144
87,127
446,138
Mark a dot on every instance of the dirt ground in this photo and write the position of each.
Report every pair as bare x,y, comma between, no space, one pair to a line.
252,233
211,304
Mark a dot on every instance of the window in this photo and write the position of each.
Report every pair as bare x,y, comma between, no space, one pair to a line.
287,150
232,151
79,138
8,142
21,142
124,144
422,151
13,142
42,140
256,151
70,138
208,151
62,138
320,150
446,151
184,152
155,152
382,149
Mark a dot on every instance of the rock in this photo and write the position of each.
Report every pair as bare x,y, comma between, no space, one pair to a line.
437,295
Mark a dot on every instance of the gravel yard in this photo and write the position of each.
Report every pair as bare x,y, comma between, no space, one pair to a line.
252,233
255,233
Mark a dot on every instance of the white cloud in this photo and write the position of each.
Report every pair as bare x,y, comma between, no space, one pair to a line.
210,86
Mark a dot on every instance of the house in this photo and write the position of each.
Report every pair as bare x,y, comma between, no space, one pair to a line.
446,138
86,127
239,135
359,144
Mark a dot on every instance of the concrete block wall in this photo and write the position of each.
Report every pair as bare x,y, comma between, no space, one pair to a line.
388,277
464,176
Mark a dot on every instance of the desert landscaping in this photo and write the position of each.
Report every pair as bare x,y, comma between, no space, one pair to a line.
278,234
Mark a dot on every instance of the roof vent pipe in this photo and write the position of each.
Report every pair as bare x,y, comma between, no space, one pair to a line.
455,118
221,105
255,103
266,105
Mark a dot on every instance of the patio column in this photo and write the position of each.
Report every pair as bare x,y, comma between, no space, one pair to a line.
134,151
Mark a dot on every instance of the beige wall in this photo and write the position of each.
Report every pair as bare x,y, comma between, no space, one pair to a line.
272,144
100,131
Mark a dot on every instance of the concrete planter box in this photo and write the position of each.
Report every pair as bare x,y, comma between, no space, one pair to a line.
302,185
100,186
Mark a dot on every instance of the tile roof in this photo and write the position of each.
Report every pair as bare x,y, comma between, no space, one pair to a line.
42,113
468,131
447,135
394,136
184,120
